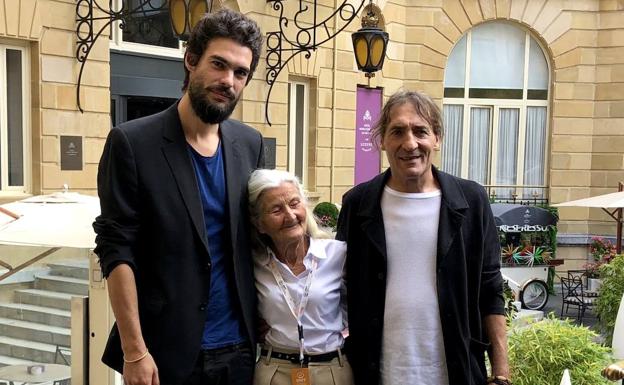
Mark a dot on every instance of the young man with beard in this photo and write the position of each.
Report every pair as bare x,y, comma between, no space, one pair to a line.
173,234
423,264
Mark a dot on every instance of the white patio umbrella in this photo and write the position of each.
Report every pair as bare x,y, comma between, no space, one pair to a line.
611,203
57,220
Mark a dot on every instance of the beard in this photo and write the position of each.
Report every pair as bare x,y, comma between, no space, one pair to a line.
208,112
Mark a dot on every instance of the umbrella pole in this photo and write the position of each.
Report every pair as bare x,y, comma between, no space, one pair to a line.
29,262
618,241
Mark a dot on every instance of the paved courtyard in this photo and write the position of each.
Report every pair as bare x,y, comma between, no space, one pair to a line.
554,305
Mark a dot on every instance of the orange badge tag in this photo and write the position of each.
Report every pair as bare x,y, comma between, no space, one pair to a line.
300,376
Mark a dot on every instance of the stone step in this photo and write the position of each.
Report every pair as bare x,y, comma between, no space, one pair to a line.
527,317
72,269
37,332
6,361
33,313
44,298
62,284
28,350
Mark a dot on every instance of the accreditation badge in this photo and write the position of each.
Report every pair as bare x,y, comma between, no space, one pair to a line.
300,376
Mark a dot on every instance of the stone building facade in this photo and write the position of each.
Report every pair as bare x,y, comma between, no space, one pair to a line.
582,42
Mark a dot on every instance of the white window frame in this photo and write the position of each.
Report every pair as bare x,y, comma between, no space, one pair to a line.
118,44
5,189
292,128
495,104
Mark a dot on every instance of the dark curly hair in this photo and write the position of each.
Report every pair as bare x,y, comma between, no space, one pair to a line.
424,106
225,23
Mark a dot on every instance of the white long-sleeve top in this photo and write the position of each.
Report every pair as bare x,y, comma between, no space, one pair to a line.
325,315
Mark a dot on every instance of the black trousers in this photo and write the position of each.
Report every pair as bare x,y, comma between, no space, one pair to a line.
231,365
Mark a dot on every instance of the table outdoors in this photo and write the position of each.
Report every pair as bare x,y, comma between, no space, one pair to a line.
18,374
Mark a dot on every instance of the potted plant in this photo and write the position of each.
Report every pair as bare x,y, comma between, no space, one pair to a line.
540,352
507,254
327,215
601,252
531,255
610,295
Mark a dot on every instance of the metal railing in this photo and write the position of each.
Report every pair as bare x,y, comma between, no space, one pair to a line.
518,194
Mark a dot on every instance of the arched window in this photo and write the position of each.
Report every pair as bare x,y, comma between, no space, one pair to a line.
495,111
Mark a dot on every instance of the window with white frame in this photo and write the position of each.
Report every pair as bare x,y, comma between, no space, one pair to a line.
14,119
148,29
298,107
495,110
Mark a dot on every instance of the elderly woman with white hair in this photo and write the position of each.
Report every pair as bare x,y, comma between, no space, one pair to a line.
299,273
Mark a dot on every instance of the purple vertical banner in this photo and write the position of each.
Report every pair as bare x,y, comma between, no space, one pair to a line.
367,161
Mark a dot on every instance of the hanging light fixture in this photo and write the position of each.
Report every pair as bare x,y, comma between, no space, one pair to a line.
185,14
370,43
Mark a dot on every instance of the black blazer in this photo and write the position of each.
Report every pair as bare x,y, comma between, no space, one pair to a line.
152,219
469,282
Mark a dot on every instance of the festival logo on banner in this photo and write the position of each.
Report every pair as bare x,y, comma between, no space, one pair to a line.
367,159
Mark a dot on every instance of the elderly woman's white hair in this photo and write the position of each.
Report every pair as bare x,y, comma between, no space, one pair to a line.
262,180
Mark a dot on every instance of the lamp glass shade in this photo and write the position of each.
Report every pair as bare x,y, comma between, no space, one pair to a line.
197,10
177,12
377,50
361,51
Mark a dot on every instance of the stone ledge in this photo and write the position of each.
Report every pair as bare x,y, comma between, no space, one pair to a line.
580,239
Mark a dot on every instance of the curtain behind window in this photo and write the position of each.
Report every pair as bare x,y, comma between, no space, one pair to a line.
534,150
479,144
452,141
507,154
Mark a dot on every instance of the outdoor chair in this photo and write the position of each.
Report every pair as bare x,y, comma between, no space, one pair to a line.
573,294
581,274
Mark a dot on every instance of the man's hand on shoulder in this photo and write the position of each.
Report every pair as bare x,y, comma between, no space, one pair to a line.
142,372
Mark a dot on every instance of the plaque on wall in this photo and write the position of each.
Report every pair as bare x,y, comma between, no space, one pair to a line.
71,153
269,153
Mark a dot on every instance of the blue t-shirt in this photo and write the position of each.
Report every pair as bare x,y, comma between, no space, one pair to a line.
222,327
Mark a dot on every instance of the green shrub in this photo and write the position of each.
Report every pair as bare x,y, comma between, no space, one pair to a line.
611,291
327,214
510,309
540,352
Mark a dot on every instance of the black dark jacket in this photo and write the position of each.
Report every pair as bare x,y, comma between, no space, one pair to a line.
152,219
469,282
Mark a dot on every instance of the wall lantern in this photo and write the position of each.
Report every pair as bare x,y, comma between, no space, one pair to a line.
370,43
185,14
303,33
92,18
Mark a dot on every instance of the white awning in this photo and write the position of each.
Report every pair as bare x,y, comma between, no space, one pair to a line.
607,201
55,220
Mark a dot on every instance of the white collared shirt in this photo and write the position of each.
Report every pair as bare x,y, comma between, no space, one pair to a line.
325,315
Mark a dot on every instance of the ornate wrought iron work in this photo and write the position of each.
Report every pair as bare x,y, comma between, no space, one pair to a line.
86,20
306,39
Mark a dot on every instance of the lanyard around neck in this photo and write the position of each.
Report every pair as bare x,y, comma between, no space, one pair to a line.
296,311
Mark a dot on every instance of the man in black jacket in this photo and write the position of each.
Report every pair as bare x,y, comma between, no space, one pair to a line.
423,264
173,234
